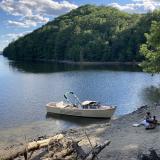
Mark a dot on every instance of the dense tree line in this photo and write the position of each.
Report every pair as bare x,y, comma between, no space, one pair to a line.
88,33
151,49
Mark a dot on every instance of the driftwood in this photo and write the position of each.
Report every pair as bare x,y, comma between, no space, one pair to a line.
32,146
58,147
43,143
93,153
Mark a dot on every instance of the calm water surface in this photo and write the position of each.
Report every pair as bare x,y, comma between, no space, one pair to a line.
25,88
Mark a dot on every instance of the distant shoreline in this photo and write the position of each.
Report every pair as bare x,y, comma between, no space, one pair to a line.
82,62
89,62
99,63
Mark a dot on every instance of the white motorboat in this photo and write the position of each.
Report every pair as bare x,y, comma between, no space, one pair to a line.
81,109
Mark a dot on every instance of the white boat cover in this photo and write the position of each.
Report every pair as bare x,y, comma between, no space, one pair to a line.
61,104
88,102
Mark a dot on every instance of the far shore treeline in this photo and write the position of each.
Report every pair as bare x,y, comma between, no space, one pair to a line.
88,33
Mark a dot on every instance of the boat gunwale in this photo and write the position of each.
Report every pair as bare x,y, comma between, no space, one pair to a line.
82,109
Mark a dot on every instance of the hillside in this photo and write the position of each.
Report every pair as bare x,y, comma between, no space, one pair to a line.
88,33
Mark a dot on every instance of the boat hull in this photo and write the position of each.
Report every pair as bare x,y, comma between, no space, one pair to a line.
94,113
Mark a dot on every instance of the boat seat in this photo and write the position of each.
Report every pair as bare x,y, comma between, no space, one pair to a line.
61,104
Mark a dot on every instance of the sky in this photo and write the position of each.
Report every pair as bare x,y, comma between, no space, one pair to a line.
19,17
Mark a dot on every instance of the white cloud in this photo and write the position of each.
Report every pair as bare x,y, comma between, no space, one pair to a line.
138,5
15,8
24,24
17,23
7,38
127,7
14,36
33,12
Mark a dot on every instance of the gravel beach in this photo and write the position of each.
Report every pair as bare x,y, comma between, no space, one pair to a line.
127,142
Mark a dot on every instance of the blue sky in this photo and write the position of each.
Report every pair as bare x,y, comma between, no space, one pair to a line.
19,17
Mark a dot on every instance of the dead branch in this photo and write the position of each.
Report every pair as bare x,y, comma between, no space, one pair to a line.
96,150
58,147
32,146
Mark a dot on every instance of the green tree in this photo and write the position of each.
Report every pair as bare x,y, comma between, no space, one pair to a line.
88,33
151,49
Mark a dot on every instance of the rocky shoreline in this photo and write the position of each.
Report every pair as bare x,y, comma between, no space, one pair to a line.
127,142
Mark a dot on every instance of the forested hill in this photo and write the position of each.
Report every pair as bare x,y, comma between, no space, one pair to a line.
88,33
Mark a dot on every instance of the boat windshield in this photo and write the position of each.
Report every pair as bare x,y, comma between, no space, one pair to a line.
72,99
90,105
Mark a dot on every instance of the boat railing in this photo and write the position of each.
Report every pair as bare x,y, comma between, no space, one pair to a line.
77,102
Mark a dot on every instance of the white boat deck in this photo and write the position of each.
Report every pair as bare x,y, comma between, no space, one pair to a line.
69,106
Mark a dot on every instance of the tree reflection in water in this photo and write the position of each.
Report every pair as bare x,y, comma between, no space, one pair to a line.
151,95
51,67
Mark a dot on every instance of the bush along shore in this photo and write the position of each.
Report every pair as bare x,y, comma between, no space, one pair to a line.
117,140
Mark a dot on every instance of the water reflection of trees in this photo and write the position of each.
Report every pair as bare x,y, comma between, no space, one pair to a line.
151,94
49,67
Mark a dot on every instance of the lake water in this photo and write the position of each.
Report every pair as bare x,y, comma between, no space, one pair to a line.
26,87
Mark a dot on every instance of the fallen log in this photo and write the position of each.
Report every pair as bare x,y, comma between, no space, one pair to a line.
43,143
61,149
32,146
58,147
63,154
